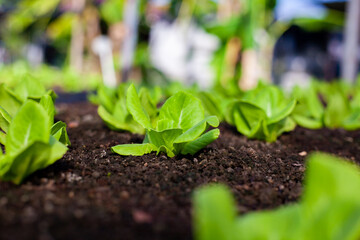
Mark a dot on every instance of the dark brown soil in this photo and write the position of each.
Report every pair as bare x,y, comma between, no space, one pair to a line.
94,194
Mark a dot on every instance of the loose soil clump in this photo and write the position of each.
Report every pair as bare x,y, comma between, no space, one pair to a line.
93,193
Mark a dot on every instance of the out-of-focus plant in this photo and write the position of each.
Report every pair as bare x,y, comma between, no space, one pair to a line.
262,113
114,111
329,208
28,15
112,11
66,79
214,102
339,107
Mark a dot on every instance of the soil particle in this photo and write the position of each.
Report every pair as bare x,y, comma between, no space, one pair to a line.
93,193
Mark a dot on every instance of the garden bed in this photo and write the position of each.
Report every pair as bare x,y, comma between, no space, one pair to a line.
94,194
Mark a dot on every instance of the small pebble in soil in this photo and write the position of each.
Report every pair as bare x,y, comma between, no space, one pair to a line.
72,177
87,118
44,180
125,195
3,201
73,124
95,174
103,154
71,194
141,216
303,153
230,170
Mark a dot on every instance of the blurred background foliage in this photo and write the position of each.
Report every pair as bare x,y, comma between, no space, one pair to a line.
213,42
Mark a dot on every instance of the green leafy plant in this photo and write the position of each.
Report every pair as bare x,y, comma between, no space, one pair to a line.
262,113
341,108
29,145
114,112
329,208
179,128
10,103
309,111
214,103
65,78
31,88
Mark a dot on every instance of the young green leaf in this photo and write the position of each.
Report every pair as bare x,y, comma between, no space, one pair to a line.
134,149
5,119
58,131
2,138
247,118
136,109
198,144
29,125
115,124
113,109
194,132
212,104
183,109
9,101
47,103
30,88
337,109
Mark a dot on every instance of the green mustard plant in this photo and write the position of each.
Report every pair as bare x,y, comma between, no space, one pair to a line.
179,128
329,208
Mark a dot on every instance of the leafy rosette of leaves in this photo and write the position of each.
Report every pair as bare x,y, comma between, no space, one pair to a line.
309,111
341,108
179,128
10,104
114,112
262,113
29,144
214,103
329,209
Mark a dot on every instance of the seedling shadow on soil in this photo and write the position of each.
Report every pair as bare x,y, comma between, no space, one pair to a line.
93,193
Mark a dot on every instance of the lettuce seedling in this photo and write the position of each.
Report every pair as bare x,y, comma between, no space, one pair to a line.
341,107
329,208
31,88
114,112
179,128
309,111
262,113
29,145
214,103
10,103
